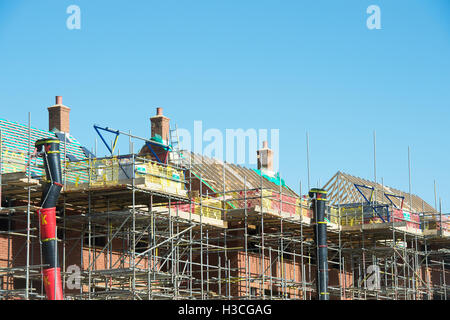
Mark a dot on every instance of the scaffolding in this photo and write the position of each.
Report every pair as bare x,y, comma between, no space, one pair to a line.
136,228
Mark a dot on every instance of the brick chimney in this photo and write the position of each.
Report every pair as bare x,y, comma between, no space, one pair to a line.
265,158
58,116
160,125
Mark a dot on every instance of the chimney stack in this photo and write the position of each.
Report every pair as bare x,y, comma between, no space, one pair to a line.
58,116
265,158
160,125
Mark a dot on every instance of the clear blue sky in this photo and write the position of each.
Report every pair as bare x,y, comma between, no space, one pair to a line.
294,65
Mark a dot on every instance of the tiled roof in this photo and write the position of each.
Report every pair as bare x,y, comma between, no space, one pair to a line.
16,139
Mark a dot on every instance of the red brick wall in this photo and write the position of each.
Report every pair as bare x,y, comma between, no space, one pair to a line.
73,255
58,117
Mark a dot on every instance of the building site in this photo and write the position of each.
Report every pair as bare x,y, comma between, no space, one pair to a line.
165,223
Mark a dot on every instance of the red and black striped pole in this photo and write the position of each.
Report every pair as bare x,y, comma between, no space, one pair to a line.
51,274
320,231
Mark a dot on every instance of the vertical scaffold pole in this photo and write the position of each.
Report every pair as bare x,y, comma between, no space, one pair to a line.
307,159
27,279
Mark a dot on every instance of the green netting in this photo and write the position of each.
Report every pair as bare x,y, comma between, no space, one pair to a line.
275,179
157,138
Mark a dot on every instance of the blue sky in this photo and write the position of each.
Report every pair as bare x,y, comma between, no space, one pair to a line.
296,66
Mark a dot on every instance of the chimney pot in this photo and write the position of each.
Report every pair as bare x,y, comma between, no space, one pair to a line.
265,145
58,100
159,111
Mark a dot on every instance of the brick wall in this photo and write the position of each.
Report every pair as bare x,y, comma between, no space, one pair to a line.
58,117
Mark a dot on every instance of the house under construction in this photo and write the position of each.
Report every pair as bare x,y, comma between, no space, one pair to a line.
165,223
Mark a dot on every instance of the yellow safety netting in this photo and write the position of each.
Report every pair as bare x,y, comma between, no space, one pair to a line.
13,161
113,171
433,222
352,216
208,207
333,216
164,178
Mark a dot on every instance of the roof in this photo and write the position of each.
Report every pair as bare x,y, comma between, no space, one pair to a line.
214,172
15,143
342,190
